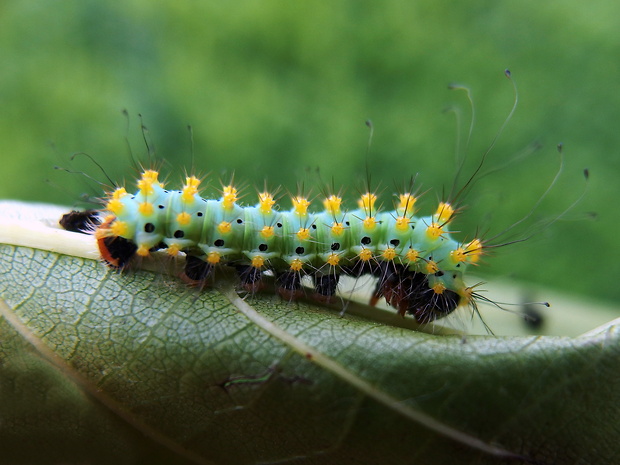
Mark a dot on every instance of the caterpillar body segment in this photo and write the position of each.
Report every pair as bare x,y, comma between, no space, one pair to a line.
419,265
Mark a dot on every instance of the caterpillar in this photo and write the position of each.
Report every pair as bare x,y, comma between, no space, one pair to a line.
419,265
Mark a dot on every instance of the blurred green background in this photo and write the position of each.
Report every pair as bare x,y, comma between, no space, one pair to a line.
275,89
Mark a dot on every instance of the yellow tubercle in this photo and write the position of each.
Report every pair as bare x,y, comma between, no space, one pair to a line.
213,257
224,227
412,255
467,295
296,265
365,255
115,206
145,208
337,229
143,251
301,204
333,259
258,261
370,222
367,201
458,255
389,254
474,250
405,203
402,223
303,234
190,189
439,288
229,197
265,202
148,180
150,175
119,193
431,267
332,204
184,218
444,212
119,228
434,230
267,232
173,250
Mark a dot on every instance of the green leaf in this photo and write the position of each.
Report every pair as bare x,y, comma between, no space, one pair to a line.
100,367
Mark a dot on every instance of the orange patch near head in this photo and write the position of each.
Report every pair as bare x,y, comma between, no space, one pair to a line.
116,251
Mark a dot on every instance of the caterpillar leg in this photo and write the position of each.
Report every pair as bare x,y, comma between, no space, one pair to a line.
251,278
384,287
325,286
437,306
196,271
289,285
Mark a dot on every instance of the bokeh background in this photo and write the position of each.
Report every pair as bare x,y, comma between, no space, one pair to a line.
277,92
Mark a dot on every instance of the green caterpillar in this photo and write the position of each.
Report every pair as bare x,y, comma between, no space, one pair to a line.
419,266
